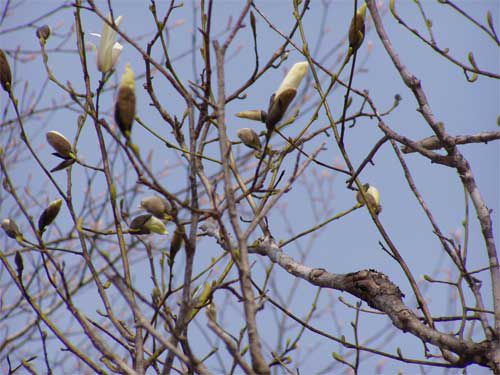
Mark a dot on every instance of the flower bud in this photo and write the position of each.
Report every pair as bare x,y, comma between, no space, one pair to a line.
155,225
43,33
11,229
253,114
156,206
60,144
125,102
278,107
373,197
284,95
63,165
18,259
145,224
250,138
137,224
156,296
211,311
293,78
5,74
49,214
357,28
175,245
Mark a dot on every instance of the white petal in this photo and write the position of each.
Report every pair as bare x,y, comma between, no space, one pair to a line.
115,53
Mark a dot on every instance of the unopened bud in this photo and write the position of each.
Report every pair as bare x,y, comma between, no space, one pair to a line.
156,206
175,245
11,229
373,197
63,165
253,114
60,144
43,33
156,296
250,138
293,78
125,102
18,259
357,28
145,224
284,95
5,74
49,214
155,225
211,311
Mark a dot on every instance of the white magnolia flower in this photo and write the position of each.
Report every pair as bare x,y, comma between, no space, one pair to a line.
109,50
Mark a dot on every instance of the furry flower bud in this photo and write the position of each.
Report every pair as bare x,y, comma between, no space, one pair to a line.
145,224
250,138
11,229
357,28
43,33
125,102
156,206
373,197
286,92
253,114
60,144
49,214
5,74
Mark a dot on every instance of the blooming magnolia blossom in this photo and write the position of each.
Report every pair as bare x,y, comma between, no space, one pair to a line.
109,50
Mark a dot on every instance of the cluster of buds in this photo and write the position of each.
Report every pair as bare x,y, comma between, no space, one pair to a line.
278,105
63,149
46,218
158,210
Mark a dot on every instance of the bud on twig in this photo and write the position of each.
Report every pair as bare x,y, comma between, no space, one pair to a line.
156,206
211,311
18,259
145,224
63,165
372,196
357,29
175,245
286,92
250,138
5,74
253,114
49,215
43,33
125,102
60,144
11,229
